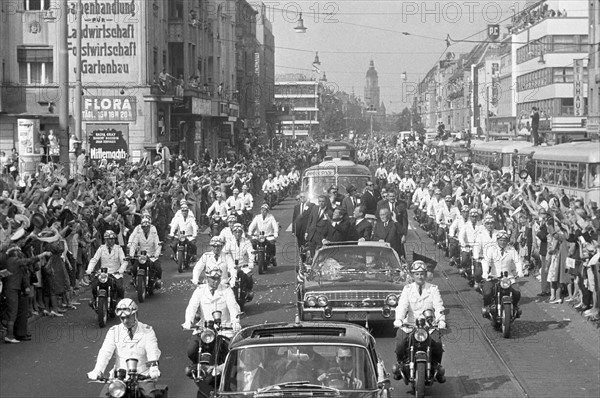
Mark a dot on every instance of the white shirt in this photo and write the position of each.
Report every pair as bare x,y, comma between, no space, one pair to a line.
241,251
456,226
138,240
207,263
419,195
483,240
188,225
268,225
222,300
218,207
495,262
412,304
235,203
467,234
269,185
407,184
247,200
113,260
143,347
433,206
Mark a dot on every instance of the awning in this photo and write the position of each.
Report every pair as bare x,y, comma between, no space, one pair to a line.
34,54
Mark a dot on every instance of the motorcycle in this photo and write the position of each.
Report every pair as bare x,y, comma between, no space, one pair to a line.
263,259
106,296
240,291
145,280
247,216
502,311
125,383
212,350
183,255
217,225
271,198
419,369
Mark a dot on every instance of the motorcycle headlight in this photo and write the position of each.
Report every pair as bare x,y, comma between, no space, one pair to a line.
117,388
322,301
182,238
142,260
421,335
311,301
392,300
261,239
103,278
207,336
505,283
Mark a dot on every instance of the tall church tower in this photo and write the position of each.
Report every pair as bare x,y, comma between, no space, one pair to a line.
372,87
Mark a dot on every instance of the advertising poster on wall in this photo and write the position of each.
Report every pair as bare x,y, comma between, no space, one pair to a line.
28,131
108,141
110,41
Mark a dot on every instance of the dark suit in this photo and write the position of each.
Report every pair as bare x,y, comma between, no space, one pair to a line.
369,201
348,205
300,221
317,225
339,233
262,378
388,234
364,229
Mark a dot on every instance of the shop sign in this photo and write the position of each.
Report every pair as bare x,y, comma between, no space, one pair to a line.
578,102
113,109
108,141
201,106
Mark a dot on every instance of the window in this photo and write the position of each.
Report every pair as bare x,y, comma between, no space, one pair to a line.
36,5
565,43
176,9
35,65
562,75
566,106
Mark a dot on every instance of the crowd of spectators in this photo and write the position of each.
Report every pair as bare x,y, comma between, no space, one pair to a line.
51,225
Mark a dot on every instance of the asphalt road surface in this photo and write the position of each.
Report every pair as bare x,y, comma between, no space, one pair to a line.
553,352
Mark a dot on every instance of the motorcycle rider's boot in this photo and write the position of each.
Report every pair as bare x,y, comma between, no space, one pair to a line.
518,311
441,374
485,312
274,262
477,287
158,284
92,304
249,296
397,371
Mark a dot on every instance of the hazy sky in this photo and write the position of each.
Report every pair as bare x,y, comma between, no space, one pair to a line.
349,33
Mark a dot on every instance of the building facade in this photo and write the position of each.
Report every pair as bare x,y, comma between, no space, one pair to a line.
299,95
152,72
593,121
549,56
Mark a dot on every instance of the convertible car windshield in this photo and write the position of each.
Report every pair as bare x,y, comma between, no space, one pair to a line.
255,368
354,262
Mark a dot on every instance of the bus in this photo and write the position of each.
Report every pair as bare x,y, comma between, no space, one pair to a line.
502,156
340,150
316,180
573,166
458,148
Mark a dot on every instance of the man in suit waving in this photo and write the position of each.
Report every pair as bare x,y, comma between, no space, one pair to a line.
387,230
300,218
318,221
361,227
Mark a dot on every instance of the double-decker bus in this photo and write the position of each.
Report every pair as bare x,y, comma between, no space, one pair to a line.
502,156
316,180
573,166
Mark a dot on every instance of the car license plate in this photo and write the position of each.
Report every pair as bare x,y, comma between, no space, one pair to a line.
357,316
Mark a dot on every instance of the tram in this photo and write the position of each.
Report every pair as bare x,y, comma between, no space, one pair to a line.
457,148
573,166
340,150
316,180
502,156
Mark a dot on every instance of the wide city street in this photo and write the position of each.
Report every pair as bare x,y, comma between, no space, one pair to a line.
552,352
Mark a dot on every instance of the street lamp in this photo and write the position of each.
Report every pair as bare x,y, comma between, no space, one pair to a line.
300,28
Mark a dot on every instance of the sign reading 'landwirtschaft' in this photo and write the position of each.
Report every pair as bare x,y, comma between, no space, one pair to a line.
110,40
109,109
